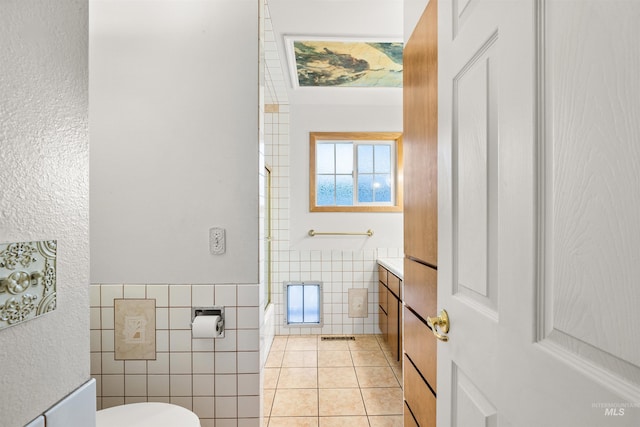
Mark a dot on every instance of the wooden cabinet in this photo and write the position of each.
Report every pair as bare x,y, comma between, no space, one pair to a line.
420,400
382,322
393,328
420,139
409,421
420,345
393,283
390,310
420,288
383,297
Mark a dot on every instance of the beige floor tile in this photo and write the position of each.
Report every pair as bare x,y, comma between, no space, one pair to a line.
372,336
268,395
340,401
397,370
333,345
397,363
274,360
334,358
383,401
369,358
351,421
296,392
298,378
375,376
279,343
271,377
295,403
364,344
300,359
337,377
302,343
293,422
386,421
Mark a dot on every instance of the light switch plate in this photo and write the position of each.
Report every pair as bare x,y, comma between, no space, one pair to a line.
217,241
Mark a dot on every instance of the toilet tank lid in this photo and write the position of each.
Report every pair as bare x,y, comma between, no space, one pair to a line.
149,414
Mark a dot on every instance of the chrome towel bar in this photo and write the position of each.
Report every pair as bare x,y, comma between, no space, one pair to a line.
334,233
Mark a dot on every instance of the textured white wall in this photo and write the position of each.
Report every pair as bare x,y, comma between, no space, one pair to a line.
44,194
174,140
387,227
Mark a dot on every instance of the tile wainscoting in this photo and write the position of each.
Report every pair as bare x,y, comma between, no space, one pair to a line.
217,379
339,271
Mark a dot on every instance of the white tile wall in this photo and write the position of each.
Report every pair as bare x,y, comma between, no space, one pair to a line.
338,270
38,422
194,373
76,409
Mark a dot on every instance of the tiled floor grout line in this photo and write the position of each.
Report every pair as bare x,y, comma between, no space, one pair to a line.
366,413
300,361
318,376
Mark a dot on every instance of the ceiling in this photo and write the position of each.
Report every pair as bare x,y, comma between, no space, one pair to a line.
345,19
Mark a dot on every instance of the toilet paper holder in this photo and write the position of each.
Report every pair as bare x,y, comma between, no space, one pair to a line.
209,311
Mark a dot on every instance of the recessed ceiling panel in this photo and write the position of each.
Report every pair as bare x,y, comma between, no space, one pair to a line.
338,62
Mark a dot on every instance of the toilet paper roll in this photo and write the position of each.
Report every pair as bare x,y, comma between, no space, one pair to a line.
206,327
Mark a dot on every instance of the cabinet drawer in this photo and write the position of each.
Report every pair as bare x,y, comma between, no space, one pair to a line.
382,274
393,283
382,296
420,288
382,322
418,396
421,346
408,418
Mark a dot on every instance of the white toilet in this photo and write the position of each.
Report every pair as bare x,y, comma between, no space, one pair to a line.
151,414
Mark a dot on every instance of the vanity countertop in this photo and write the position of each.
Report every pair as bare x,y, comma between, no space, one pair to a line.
394,265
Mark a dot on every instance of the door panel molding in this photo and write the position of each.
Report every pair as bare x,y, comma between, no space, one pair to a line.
470,406
474,152
461,10
586,270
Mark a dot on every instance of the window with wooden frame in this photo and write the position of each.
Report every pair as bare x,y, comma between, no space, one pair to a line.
355,172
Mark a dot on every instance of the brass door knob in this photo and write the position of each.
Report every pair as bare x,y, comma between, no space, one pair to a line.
442,323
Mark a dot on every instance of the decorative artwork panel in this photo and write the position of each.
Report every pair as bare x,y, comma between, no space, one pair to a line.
135,329
327,62
27,280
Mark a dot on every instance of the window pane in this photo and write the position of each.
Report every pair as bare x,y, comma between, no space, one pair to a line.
382,185
325,158
344,190
325,190
354,171
383,158
312,304
344,158
365,158
295,303
365,188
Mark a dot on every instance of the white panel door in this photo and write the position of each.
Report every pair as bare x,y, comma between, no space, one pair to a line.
539,212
